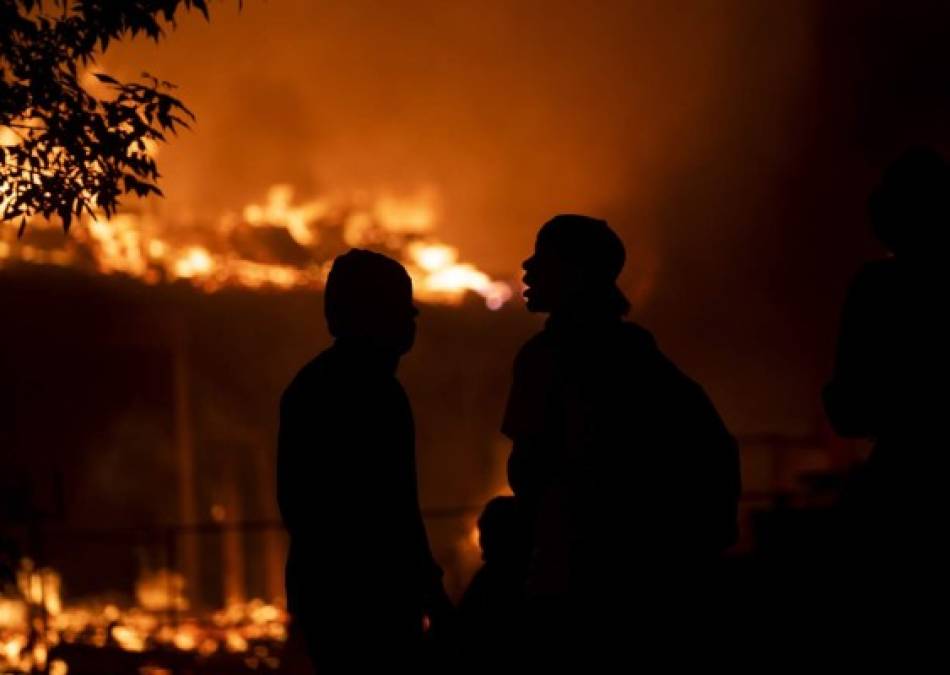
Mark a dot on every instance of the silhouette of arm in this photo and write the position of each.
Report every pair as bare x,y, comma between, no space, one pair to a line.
429,574
719,481
530,469
435,600
290,446
524,422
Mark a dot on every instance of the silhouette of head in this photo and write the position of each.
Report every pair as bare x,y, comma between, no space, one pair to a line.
910,208
501,531
369,297
575,266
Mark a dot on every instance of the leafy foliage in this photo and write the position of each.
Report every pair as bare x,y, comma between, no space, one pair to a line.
64,149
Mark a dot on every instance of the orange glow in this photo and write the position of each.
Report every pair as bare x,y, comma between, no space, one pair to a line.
432,257
474,536
185,639
279,211
8,137
279,244
237,628
161,591
128,639
437,275
195,262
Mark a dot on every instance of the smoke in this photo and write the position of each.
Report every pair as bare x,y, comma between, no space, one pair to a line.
731,143
510,111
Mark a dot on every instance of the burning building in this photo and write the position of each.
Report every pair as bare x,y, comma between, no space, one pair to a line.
731,144
142,424
145,369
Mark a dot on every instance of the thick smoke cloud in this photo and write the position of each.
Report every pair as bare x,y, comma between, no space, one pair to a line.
732,144
512,111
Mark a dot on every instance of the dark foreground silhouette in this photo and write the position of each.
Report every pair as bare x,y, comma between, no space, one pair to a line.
360,576
491,612
620,462
889,386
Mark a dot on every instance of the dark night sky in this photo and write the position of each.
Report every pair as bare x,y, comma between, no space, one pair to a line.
732,143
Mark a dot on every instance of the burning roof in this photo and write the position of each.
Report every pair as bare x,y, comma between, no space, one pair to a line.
279,243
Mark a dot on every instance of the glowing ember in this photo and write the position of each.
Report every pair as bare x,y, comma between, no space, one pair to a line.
34,622
14,614
196,262
279,244
161,591
432,257
128,639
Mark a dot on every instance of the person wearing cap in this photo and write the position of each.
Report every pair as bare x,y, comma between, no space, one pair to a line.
360,576
620,460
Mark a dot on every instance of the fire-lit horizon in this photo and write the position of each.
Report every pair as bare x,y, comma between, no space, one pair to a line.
342,105
695,131
279,243
366,97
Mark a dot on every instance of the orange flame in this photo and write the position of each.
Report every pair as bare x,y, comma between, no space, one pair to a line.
280,244
28,635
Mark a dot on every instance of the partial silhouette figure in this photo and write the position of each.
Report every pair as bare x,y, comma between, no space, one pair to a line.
491,610
888,382
360,575
620,461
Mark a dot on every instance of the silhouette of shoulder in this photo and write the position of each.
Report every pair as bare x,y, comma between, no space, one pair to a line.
636,336
334,373
874,279
620,362
307,379
538,356
623,349
541,345
339,412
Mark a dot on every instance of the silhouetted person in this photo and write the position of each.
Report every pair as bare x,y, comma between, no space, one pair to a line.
620,461
890,385
491,610
360,575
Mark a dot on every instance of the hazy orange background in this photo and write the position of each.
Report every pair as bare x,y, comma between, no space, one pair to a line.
732,143
511,111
